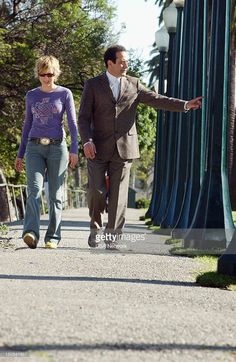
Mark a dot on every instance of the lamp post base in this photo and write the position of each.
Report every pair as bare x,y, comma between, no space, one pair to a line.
206,239
227,264
227,261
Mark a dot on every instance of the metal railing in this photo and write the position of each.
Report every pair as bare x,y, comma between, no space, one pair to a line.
75,198
16,196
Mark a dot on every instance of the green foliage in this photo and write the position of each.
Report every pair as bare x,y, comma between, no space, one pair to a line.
5,240
4,229
135,64
191,253
142,203
157,229
142,217
146,127
234,216
146,120
172,241
209,276
153,66
210,261
214,280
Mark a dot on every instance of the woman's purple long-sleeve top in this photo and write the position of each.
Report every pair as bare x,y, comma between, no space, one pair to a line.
44,117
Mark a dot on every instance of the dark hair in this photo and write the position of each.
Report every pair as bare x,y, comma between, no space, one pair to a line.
110,53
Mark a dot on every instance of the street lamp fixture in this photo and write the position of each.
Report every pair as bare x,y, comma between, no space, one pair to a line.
179,3
170,18
162,39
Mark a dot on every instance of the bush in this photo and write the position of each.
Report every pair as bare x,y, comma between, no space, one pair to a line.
142,203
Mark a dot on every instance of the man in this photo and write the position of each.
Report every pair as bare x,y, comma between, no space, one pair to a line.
109,137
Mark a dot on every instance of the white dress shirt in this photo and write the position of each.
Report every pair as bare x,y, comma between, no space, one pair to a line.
114,83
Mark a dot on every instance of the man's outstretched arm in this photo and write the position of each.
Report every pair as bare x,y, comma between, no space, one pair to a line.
171,104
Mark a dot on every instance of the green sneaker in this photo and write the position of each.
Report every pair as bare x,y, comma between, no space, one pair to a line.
30,240
50,245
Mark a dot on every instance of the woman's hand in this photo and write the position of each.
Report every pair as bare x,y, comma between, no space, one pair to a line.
73,160
19,164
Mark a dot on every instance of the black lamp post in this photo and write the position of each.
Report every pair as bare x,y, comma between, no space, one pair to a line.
194,69
162,43
170,19
212,225
173,118
227,261
177,190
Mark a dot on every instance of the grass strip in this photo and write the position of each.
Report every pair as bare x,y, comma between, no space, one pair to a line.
210,278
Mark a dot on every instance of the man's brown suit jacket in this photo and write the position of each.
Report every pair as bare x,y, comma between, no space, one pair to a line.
111,123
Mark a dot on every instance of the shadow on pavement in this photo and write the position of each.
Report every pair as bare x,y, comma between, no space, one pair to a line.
85,225
117,346
98,279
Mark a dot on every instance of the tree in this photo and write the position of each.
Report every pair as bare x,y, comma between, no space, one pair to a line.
146,128
75,31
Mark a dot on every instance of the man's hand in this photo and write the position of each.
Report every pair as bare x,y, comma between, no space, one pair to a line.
73,160
19,164
90,150
195,103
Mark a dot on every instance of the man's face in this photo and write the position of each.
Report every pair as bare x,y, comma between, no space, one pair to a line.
119,68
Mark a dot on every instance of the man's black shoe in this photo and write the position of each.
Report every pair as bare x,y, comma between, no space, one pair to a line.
92,242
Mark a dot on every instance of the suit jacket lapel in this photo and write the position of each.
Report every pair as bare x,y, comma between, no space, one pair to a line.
123,85
106,86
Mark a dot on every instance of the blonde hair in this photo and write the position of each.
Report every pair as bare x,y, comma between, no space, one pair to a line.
45,63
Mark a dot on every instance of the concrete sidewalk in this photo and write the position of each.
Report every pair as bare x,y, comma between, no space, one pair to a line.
135,304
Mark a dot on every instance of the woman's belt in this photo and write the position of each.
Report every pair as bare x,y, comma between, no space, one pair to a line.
46,141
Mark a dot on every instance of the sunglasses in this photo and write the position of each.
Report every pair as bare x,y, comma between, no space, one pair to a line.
49,75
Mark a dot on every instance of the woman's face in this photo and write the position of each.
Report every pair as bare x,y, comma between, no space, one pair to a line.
46,77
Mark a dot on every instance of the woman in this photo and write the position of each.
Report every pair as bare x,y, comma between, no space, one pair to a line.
43,142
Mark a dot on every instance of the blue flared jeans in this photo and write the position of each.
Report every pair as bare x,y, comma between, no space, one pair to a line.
54,159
